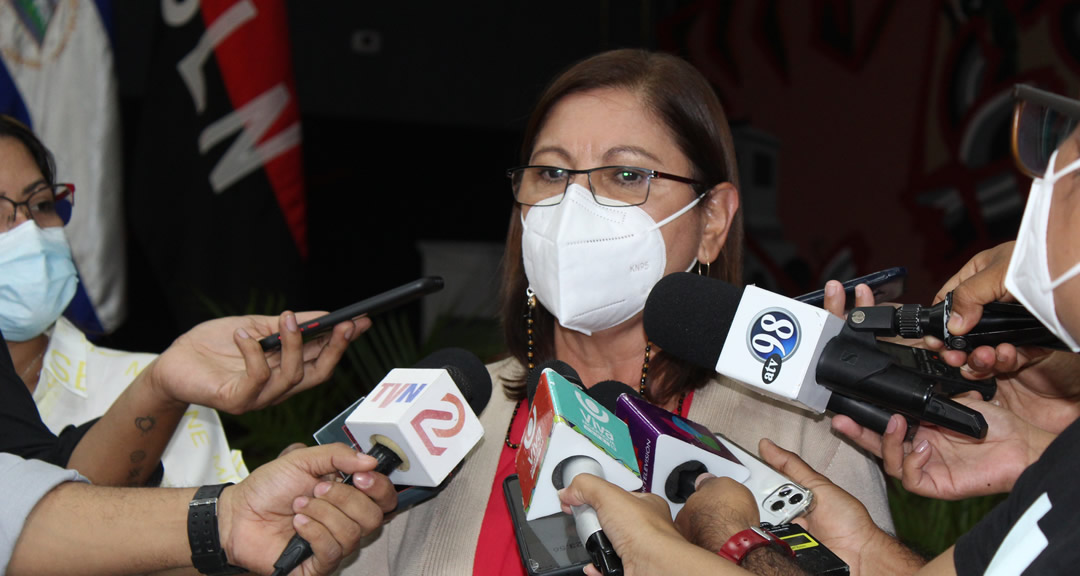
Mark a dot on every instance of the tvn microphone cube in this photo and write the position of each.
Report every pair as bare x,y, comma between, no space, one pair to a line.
564,422
665,442
774,345
420,414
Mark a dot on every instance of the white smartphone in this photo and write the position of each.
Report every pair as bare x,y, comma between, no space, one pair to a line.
780,499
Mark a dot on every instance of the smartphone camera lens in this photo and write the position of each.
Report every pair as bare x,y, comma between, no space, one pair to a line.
796,499
776,506
785,492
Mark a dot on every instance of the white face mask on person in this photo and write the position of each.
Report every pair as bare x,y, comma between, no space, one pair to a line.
593,266
37,279
1028,278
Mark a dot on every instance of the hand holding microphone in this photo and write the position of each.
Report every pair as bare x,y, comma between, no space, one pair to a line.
418,423
640,528
1037,383
568,434
790,350
671,451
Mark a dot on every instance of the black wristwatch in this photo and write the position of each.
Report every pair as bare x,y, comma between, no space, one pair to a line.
207,555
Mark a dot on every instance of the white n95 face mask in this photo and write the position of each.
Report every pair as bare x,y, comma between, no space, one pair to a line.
37,280
593,266
1028,278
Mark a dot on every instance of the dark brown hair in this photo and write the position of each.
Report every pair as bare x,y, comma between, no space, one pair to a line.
12,128
685,102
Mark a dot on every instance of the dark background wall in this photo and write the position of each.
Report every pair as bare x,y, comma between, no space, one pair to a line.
870,133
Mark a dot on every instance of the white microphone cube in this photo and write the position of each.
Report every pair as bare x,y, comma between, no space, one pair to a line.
774,345
422,413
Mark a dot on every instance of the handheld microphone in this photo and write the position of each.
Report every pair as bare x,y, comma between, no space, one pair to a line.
393,425
788,349
1001,322
765,340
399,421
532,381
671,451
568,434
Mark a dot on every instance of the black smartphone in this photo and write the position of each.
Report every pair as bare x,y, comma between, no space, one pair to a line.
549,546
378,303
887,286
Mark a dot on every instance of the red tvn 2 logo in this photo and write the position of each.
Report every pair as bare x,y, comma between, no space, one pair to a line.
431,414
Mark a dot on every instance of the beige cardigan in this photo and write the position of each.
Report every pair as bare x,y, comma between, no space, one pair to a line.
440,535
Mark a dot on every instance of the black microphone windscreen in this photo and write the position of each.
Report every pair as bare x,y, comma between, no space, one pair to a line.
467,371
532,381
689,316
607,393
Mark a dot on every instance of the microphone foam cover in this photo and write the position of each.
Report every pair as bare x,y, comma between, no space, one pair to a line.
689,316
467,371
532,381
607,393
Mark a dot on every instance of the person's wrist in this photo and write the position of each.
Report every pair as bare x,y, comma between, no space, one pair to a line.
208,515
715,512
740,547
882,553
226,504
157,385
1038,441
713,535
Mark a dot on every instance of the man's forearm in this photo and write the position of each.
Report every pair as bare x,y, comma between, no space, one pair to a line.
124,447
85,529
884,554
711,532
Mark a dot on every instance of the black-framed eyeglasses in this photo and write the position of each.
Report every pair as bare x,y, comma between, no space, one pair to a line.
48,206
1041,122
610,185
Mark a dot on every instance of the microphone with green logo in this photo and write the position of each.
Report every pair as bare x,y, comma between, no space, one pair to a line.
568,433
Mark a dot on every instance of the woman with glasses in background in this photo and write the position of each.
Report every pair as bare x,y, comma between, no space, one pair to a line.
152,409
628,174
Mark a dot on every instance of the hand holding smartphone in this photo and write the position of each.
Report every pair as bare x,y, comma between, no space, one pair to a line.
780,500
380,302
887,286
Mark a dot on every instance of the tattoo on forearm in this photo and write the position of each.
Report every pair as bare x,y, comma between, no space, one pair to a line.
145,424
137,456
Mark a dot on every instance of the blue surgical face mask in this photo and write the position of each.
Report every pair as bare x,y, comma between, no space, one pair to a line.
37,280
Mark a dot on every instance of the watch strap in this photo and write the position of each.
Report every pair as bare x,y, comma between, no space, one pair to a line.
207,555
742,543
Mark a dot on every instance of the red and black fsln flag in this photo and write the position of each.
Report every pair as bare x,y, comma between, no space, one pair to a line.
217,199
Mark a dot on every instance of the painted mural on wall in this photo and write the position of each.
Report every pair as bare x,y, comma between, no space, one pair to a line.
875,133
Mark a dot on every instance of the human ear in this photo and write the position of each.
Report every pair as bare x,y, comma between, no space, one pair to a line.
720,203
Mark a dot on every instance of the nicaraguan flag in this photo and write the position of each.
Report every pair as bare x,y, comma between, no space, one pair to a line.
56,75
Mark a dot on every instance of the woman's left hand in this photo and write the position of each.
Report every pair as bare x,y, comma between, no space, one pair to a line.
220,363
